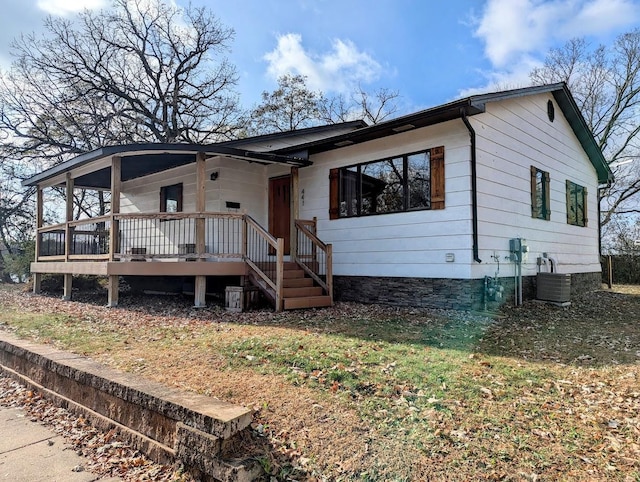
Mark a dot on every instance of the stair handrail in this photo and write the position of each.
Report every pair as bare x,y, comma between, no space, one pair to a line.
278,245
326,284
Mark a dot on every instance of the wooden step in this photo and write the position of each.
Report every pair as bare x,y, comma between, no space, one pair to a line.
286,274
293,273
296,282
302,292
307,302
270,266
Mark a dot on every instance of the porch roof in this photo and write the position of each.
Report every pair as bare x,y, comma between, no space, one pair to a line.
144,159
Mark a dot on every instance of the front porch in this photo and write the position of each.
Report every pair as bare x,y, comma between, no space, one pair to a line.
287,262
189,244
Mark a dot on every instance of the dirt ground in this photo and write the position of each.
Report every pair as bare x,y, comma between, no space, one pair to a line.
542,393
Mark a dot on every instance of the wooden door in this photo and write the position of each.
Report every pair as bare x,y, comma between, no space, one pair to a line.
280,209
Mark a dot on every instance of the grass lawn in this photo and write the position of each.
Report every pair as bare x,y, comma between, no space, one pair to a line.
362,392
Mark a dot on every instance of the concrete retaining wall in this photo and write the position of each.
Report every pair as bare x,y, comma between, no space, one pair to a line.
164,423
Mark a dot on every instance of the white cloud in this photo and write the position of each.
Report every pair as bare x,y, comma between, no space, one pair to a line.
517,34
511,28
514,77
335,71
66,7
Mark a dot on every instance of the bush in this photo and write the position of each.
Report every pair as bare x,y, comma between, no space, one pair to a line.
626,269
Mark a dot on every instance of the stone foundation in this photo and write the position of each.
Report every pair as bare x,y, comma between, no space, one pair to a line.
459,294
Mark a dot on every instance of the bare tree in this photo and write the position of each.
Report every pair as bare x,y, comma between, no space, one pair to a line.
292,105
373,108
605,82
141,71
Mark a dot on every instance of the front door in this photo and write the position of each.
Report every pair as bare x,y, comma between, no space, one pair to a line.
280,209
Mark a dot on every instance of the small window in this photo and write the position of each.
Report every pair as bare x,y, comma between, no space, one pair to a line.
540,194
171,198
576,204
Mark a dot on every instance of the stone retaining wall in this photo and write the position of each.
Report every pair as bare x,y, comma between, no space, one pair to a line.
164,423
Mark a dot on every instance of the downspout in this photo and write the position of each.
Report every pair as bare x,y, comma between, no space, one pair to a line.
474,186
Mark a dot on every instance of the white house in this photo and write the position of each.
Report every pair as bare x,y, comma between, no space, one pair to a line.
444,207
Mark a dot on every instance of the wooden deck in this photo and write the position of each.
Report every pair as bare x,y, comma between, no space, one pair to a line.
134,268
189,244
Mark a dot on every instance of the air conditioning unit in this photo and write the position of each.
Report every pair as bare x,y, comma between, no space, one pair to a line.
554,287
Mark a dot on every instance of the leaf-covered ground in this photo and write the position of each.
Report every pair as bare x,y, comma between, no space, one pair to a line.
363,392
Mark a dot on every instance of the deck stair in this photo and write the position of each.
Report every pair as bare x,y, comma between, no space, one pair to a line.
299,290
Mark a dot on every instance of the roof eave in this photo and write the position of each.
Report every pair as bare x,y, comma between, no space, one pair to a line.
573,115
136,149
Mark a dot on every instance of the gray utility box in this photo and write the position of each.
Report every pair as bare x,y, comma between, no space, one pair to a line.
554,287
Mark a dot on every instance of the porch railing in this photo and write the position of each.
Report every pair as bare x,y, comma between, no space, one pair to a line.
144,236
190,236
314,256
265,256
88,239
175,235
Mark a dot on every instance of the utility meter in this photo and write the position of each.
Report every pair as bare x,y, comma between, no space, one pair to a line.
518,248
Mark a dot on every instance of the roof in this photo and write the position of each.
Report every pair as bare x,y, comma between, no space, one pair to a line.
294,147
470,106
147,158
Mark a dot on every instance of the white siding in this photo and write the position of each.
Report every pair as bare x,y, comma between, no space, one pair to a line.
237,181
411,244
512,136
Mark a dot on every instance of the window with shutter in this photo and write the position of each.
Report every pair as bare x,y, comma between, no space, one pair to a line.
576,204
407,182
540,198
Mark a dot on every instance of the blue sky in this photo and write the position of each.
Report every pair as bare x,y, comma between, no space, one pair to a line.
429,51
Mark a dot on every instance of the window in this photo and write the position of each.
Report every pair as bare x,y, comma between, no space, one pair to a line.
576,204
171,198
403,183
540,194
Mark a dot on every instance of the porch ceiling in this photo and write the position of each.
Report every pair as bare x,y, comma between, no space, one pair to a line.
140,160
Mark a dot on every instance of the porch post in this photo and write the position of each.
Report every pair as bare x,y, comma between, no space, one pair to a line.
37,277
295,212
200,287
114,238
68,237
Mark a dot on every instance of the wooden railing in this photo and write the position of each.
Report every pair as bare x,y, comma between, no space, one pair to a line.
177,235
265,256
82,239
190,236
143,236
314,256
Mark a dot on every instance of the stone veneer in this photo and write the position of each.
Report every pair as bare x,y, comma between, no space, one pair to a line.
460,294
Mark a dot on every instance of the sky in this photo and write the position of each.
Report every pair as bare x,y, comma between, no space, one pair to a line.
430,51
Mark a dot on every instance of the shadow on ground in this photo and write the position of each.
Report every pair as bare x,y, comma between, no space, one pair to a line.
599,328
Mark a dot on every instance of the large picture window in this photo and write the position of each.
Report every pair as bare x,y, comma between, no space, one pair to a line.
540,194
576,204
403,183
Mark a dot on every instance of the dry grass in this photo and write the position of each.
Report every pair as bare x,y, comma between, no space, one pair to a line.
370,393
